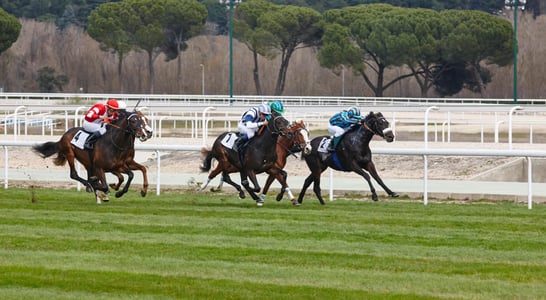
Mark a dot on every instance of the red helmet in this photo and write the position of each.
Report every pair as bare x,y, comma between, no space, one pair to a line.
112,103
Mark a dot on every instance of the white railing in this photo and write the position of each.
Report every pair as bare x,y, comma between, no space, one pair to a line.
528,154
207,100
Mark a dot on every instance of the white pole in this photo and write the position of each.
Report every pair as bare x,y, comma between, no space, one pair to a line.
529,183
512,110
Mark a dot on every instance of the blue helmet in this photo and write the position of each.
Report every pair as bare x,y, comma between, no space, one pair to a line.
353,112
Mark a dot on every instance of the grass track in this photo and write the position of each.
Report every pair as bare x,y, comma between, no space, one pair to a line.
212,246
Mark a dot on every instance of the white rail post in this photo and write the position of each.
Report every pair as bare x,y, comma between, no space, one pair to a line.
426,123
205,126
512,111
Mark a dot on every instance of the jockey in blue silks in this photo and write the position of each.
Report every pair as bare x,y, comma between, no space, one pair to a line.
250,122
341,123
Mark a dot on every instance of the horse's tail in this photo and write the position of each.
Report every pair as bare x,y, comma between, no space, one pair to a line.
207,160
49,148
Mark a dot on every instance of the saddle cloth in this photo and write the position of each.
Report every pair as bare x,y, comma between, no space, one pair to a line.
323,145
79,139
229,140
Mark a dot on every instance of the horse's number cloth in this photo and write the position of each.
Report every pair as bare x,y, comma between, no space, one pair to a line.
79,139
229,140
323,145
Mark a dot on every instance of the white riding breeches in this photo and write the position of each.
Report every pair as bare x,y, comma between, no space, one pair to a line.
336,130
94,127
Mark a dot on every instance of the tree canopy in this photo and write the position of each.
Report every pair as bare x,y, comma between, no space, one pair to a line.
373,38
155,26
9,30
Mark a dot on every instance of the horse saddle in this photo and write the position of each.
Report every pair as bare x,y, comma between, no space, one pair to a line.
79,139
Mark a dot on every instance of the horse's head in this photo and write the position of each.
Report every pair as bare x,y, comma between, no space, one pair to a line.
300,136
376,123
278,124
145,131
134,123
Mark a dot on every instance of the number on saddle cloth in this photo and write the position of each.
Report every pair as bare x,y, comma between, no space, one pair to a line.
324,144
229,140
79,139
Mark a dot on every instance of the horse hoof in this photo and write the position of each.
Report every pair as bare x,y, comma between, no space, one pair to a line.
143,193
88,189
260,203
296,203
119,194
279,197
395,195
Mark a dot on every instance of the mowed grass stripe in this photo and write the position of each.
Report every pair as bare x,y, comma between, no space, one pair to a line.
347,248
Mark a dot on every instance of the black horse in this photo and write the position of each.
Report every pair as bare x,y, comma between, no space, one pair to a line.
352,154
113,152
258,157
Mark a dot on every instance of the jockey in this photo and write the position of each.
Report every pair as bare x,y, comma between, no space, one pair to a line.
250,122
341,123
97,117
277,107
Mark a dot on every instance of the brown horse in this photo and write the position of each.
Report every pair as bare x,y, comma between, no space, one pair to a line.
113,152
259,156
133,165
295,140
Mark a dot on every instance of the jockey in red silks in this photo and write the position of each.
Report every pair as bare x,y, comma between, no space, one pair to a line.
97,117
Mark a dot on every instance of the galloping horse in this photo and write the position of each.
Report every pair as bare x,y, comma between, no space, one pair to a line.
353,154
113,152
259,156
131,164
295,140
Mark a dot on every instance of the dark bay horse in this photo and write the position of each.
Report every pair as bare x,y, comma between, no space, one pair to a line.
113,152
132,165
352,154
259,156
295,140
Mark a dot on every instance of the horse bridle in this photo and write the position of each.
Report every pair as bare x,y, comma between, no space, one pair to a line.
130,129
367,126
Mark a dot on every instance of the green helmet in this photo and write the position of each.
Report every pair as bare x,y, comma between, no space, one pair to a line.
277,107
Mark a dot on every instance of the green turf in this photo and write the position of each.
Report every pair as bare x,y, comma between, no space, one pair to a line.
59,244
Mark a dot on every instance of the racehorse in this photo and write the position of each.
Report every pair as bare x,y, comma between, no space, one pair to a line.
352,154
259,156
131,164
295,140
113,152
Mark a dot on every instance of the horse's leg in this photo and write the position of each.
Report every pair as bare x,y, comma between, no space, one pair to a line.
268,183
133,165
252,191
316,186
125,189
370,167
227,179
101,191
361,172
306,183
74,174
116,186
211,176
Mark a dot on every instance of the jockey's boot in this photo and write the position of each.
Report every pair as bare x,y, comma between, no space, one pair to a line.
90,142
332,145
240,144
